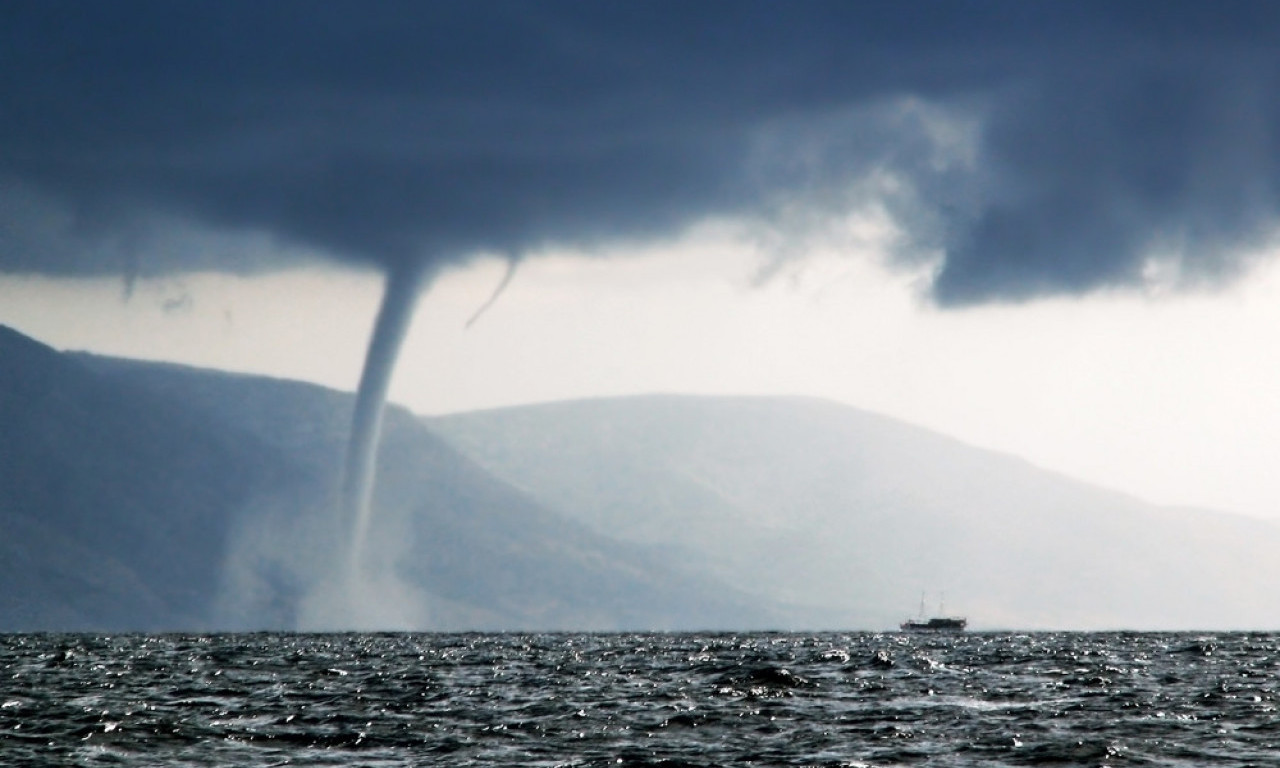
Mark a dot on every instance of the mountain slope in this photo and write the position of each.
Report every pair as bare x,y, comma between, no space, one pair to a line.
149,496
854,515
466,550
107,526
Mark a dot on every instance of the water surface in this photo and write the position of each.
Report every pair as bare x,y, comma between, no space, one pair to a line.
640,700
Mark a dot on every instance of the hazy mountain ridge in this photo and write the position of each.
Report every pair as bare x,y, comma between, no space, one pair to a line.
152,496
856,514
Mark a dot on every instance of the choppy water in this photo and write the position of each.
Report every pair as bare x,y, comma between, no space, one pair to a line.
640,700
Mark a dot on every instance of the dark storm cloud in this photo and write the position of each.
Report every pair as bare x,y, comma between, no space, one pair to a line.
392,132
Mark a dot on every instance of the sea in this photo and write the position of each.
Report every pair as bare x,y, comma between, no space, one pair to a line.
698,699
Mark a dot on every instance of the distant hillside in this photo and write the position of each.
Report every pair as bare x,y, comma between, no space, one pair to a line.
115,507
855,515
148,496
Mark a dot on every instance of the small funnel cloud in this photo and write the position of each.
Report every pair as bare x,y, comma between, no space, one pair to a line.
500,289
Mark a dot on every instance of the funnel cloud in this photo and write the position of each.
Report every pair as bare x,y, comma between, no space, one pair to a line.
394,316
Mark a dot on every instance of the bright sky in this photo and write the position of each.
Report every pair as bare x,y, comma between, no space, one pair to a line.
1169,396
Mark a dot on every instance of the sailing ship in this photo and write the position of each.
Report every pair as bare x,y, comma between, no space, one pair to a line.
939,623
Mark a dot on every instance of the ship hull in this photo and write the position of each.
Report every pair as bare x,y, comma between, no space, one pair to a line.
934,625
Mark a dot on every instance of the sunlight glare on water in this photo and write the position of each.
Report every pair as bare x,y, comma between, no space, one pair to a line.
639,699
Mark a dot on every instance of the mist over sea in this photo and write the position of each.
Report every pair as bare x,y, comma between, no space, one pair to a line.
640,699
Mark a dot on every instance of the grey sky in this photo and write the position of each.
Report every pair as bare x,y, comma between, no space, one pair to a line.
1092,136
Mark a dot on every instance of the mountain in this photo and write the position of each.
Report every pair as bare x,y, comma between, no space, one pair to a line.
114,506
850,516
143,496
